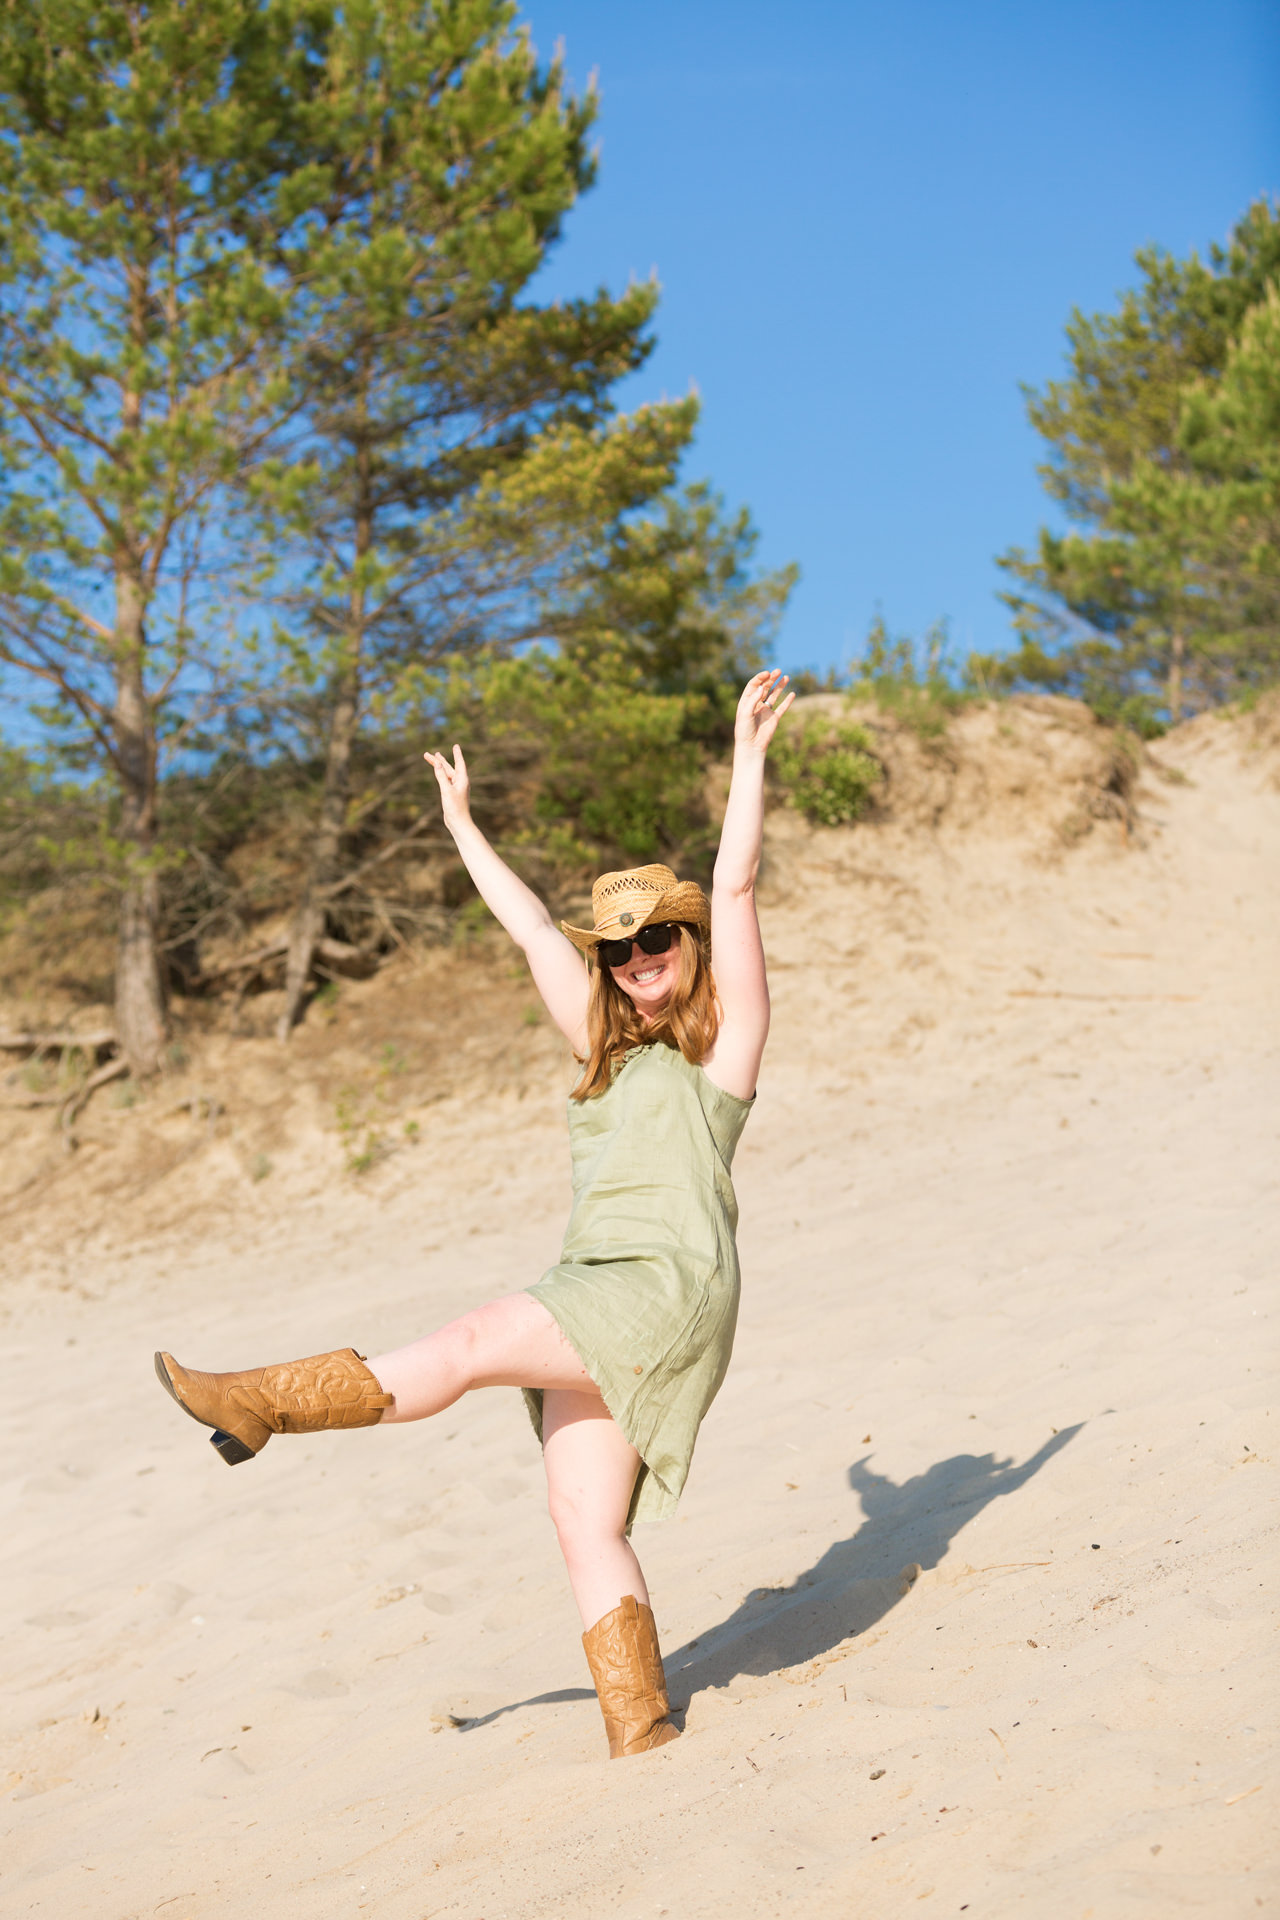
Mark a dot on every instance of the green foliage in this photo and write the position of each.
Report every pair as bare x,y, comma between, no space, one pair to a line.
672,594
618,775
804,681
57,895
1162,443
473,919
1135,711
144,191
1220,511
363,1142
266,289
1087,672
460,486
457,457
828,766
585,766
909,679
362,1117
148,181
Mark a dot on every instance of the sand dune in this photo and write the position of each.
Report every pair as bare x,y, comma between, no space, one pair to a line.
970,1595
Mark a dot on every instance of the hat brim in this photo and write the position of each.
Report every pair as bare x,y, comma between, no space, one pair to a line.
685,902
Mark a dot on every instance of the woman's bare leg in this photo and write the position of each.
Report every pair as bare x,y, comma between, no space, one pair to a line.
591,1466
591,1470
513,1342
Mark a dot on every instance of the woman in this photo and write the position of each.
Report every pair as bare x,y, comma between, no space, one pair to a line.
620,1348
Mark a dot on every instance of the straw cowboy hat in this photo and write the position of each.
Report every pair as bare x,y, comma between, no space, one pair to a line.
622,903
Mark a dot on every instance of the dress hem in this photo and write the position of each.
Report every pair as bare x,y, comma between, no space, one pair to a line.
669,1500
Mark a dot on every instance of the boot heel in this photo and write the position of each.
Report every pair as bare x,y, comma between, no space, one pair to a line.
233,1451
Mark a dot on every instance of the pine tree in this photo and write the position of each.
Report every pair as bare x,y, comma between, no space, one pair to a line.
145,188
459,457
674,592
1220,510
1127,611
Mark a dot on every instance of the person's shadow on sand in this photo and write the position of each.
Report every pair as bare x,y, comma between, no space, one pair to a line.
857,1581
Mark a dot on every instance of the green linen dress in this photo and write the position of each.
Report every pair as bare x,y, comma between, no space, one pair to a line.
646,1289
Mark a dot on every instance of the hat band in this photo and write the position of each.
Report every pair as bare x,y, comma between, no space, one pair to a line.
631,914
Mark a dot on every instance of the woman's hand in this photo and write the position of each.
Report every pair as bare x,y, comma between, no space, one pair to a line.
455,787
758,715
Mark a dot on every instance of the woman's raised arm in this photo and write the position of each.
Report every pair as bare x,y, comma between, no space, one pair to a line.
737,956
555,963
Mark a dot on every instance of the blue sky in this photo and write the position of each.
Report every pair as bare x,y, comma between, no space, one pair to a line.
871,223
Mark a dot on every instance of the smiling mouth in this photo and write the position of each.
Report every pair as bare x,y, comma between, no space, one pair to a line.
650,973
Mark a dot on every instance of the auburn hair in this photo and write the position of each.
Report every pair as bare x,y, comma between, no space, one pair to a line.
689,1021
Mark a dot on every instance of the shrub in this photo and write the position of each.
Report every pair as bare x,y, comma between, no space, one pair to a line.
828,766
913,680
579,765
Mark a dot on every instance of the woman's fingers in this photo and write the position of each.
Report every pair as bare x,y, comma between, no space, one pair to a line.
458,766
758,680
760,692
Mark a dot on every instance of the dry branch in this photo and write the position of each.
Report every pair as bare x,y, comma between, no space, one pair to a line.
48,1042
247,963
411,837
79,1100
356,962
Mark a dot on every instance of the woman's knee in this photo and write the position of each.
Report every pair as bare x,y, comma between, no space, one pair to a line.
582,1524
460,1351
494,1341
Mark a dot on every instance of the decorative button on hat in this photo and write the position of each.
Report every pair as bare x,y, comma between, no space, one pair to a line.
632,898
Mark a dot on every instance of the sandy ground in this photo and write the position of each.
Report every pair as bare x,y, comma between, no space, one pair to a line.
1008,1237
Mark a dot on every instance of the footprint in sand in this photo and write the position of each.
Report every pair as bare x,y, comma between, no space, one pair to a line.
280,1606
511,1610
319,1684
165,1598
394,1526
390,1595
503,1488
221,1771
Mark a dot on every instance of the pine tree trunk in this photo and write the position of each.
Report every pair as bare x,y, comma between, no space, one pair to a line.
309,920
142,1025
326,849
1173,691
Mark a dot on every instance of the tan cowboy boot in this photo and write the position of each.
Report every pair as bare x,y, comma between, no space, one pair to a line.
626,1665
302,1396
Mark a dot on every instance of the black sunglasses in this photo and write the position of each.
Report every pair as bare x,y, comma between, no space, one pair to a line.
655,939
